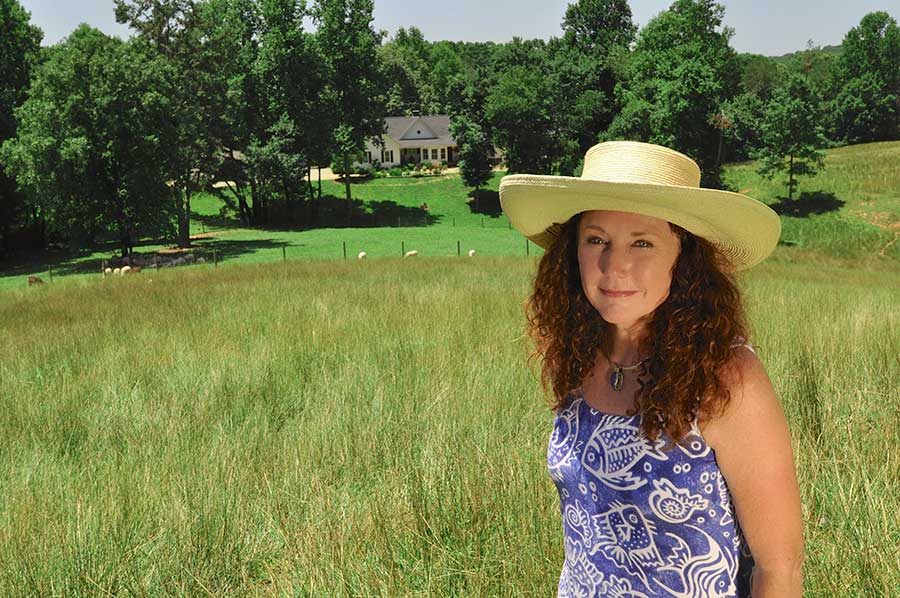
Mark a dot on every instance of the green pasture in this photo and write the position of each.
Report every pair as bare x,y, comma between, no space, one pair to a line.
848,215
331,428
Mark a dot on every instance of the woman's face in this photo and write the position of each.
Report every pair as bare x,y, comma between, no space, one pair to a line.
620,251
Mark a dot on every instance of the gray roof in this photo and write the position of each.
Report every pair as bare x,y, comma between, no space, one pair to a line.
399,128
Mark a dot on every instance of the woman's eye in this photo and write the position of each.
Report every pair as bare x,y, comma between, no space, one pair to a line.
592,239
647,243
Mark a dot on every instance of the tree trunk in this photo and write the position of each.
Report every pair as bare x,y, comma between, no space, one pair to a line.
184,218
319,195
347,184
791,179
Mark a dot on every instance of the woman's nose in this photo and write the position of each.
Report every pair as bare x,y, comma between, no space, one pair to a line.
615,260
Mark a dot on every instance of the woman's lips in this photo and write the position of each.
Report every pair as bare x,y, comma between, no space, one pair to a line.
617,293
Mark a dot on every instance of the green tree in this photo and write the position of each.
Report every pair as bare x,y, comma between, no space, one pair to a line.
348,47
681,70
585,66
519,110
170,27
791,132
475,150
93,139
866,84
19,50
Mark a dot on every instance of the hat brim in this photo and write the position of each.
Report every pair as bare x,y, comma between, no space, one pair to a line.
745,229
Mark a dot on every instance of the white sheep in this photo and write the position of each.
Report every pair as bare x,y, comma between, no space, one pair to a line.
124,270
362,255
471,253
107,271
412,253
117,271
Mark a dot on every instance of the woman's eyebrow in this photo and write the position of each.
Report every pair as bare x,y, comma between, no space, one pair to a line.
637,234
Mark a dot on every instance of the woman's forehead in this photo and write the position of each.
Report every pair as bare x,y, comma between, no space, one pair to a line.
611,219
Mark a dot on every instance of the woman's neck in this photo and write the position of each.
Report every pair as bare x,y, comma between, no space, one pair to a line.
625,345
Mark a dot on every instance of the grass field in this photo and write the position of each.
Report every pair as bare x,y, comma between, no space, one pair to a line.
330,428
336,428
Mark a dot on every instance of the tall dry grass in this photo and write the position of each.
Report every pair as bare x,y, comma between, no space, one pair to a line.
371,429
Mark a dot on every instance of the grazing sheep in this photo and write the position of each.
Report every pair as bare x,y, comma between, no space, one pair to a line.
107,271
34,280
117,271
412,253
124,270
362,255
132,269
471,253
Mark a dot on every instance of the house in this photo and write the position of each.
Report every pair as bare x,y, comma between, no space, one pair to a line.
413,139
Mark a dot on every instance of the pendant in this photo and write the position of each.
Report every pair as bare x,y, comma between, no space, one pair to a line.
616,378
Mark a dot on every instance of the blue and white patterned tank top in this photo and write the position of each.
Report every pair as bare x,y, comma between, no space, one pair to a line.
640,522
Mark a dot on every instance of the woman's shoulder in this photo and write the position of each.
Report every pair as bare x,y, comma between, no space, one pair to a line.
750,393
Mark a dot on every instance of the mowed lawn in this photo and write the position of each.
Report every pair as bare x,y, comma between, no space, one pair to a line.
848,215
331,428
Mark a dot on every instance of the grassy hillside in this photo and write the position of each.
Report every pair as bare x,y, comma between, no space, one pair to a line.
849,215
371,429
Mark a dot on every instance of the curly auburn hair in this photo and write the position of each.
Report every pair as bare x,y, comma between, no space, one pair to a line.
689,334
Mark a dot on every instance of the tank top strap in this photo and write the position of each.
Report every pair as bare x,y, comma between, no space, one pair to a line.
741,342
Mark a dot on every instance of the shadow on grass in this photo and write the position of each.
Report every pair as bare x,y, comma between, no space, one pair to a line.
486,202
333,212
809,203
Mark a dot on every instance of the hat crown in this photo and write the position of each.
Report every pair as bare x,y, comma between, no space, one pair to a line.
643,163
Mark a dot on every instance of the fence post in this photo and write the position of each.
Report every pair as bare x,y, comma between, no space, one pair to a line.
526,247
402,249
284,253
50,269
103,266
156,261
457,249
482,221
345,249
215,258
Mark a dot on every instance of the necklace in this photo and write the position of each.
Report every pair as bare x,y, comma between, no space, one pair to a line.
616,378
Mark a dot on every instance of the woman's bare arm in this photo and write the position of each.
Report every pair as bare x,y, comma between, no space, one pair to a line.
753,450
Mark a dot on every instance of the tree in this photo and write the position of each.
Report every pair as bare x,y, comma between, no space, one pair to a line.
19,49
585,66
170,28
347,45
791,132
298,122
866,83
519,110
681,70
93,138
475,150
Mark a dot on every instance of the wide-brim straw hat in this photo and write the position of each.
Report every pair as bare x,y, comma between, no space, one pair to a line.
648,179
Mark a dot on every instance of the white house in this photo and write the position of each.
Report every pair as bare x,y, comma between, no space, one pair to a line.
413,139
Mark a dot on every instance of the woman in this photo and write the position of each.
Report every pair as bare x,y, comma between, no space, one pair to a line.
670,450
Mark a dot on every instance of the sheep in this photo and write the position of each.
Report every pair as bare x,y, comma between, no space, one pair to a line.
34,280
132,270
117,271
361,256
201,260
471,253
412,253
124,270
107,271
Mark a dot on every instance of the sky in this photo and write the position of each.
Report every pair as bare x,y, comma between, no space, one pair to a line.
769,27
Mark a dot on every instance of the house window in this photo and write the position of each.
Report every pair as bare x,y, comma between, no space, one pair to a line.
434,153
443,153
369,156
387,156
424,153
